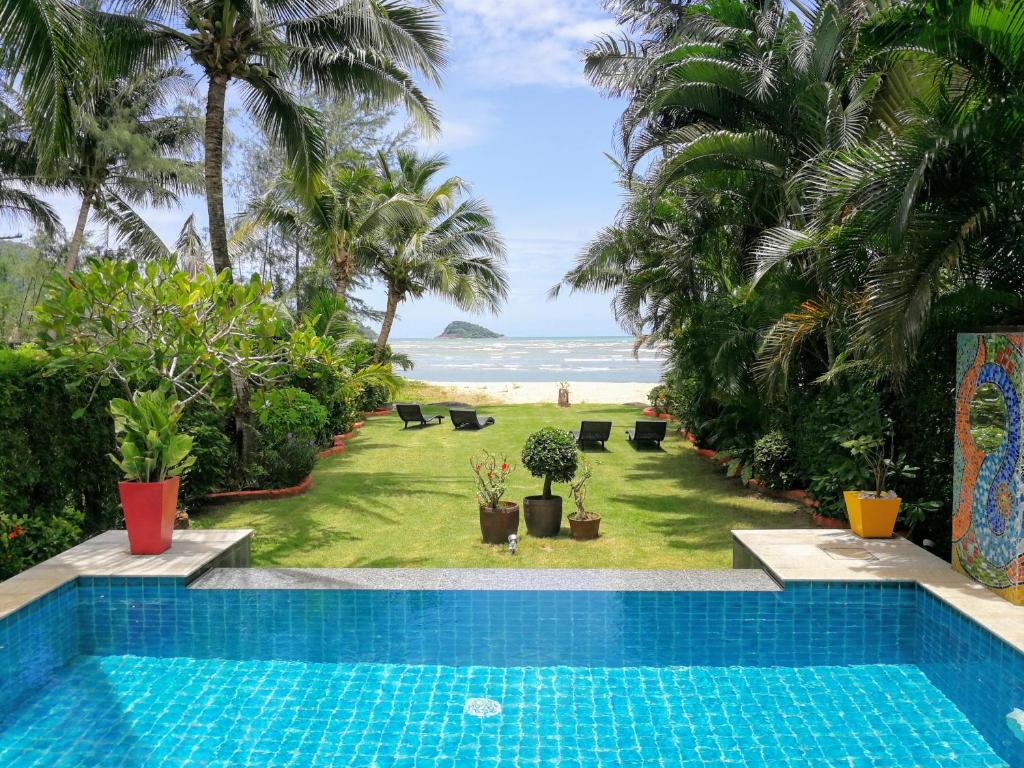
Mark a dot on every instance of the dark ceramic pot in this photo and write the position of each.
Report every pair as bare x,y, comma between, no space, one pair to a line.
497,524
584,530
543,516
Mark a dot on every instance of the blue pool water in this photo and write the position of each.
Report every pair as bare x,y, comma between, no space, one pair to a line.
149,673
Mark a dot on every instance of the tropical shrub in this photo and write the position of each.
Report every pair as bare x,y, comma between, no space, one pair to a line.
774,461
290,413
149,445
837,413
658,398
284,464
372,397
214,462
29,539
552,454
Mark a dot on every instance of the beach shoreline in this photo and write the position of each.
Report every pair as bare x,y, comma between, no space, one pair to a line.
523,392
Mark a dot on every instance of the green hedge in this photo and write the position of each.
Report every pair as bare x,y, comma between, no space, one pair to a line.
56,480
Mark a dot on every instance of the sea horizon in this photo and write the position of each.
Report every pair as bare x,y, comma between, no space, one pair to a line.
530,359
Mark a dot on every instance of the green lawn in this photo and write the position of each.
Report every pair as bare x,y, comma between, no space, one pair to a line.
405,498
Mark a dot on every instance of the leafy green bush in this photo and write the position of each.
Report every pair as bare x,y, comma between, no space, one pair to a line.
214,455
287,463
552,454
372,397
333,390
775,462
838,413
658,398
290,413
682,401
29,539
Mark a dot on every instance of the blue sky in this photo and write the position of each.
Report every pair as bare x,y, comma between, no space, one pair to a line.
522,126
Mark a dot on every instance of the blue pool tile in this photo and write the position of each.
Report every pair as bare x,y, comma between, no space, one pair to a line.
819,674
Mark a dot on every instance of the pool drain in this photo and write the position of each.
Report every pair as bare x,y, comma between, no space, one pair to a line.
482,707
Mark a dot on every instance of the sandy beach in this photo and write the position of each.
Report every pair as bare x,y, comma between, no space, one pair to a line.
546,391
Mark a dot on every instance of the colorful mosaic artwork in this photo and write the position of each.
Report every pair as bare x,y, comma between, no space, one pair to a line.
988,482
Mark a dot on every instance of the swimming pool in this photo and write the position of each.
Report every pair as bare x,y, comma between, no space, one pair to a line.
145,672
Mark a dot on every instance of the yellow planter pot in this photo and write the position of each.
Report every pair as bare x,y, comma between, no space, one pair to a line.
870,517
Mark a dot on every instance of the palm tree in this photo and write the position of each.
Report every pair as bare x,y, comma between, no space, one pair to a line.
128,151
452,250
274,46
341,217
18,180
930,204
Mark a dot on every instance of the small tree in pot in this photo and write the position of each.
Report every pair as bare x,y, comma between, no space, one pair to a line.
498,519
583,523
873,513
551,454
152,457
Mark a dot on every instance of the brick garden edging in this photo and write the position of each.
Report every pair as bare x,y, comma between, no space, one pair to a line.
261,494
793,494
650,412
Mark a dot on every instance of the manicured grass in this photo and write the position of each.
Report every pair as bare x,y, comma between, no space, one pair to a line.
405,498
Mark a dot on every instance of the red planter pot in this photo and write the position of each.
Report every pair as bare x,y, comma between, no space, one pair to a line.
149,510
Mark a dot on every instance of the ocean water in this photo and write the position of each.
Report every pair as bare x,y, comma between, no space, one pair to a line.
607,359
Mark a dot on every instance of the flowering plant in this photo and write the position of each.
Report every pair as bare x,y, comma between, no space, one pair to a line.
491,477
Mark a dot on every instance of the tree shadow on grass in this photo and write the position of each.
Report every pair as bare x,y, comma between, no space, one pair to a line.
691,506
367,504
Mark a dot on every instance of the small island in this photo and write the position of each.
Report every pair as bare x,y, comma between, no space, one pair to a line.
464,330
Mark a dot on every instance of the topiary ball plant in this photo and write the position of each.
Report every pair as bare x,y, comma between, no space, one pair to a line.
552,454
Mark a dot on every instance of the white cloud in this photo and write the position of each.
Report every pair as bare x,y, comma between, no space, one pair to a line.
524,42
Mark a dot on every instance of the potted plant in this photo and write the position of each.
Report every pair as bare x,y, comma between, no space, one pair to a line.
584,525
873,513
551,454
152,457
563,394
498,519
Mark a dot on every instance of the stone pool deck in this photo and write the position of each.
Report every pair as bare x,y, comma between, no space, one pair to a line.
839,555
192,554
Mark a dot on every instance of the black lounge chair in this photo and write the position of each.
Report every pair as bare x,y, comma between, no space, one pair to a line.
647,432
593,432
466,418
411,413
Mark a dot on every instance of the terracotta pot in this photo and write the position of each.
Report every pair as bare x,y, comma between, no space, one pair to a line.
497,524
543,516
584,530
872,517
149,510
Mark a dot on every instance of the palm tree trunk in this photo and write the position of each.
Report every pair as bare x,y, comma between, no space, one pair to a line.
75,247
342,271
394,297
214,170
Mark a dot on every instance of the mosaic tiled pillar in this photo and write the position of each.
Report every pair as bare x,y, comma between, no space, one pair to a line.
988,479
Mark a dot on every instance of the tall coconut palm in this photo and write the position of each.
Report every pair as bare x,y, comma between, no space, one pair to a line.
18,179
451,251
341,217
273,47
131,148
